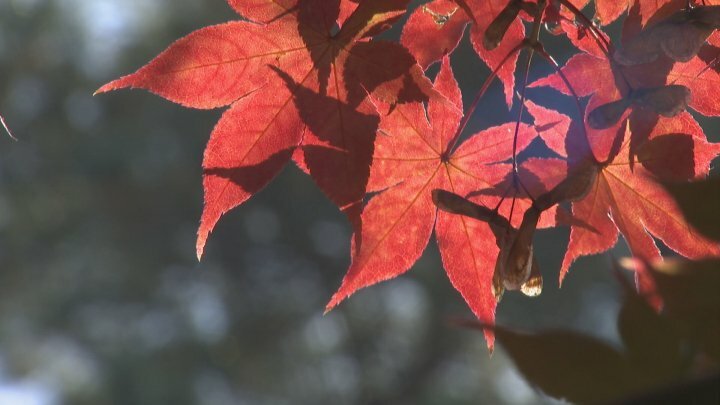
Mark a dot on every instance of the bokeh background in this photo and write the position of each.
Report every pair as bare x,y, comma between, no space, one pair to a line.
102,300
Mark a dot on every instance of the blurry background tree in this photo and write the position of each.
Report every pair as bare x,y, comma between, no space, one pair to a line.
102,300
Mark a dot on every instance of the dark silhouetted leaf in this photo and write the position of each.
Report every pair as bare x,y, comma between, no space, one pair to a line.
650,339
568,365
690,293
700,203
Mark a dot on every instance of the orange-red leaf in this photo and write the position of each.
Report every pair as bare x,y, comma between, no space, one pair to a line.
286,74
433,30
633,203
608,11
436,28
485,12
586,73
263,10
701,79
338,146
410,161
371,17
551,126
214,66
253,140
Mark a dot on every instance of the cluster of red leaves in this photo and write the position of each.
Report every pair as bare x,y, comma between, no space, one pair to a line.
306,80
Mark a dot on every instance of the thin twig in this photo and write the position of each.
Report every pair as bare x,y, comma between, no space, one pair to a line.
481,92
539,49
596,33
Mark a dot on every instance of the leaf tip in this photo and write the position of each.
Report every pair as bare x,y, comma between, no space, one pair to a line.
343,292
199,249
334,301
106,88
208,220
563,272
125,81
203,234
488,330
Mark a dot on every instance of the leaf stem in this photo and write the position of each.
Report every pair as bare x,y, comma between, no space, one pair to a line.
531,40
468,114
600,39
539,49
604,44
520,113
710,65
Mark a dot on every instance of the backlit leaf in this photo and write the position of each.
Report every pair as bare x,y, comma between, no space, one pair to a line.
323,109
409,163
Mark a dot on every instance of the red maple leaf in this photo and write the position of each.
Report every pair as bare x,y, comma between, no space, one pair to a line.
653,10
578,69
607,11
413,156
633,202
437,27
567,17
607,82
641,146
303,79
292,79
701,77
626,197
582,38
433,30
